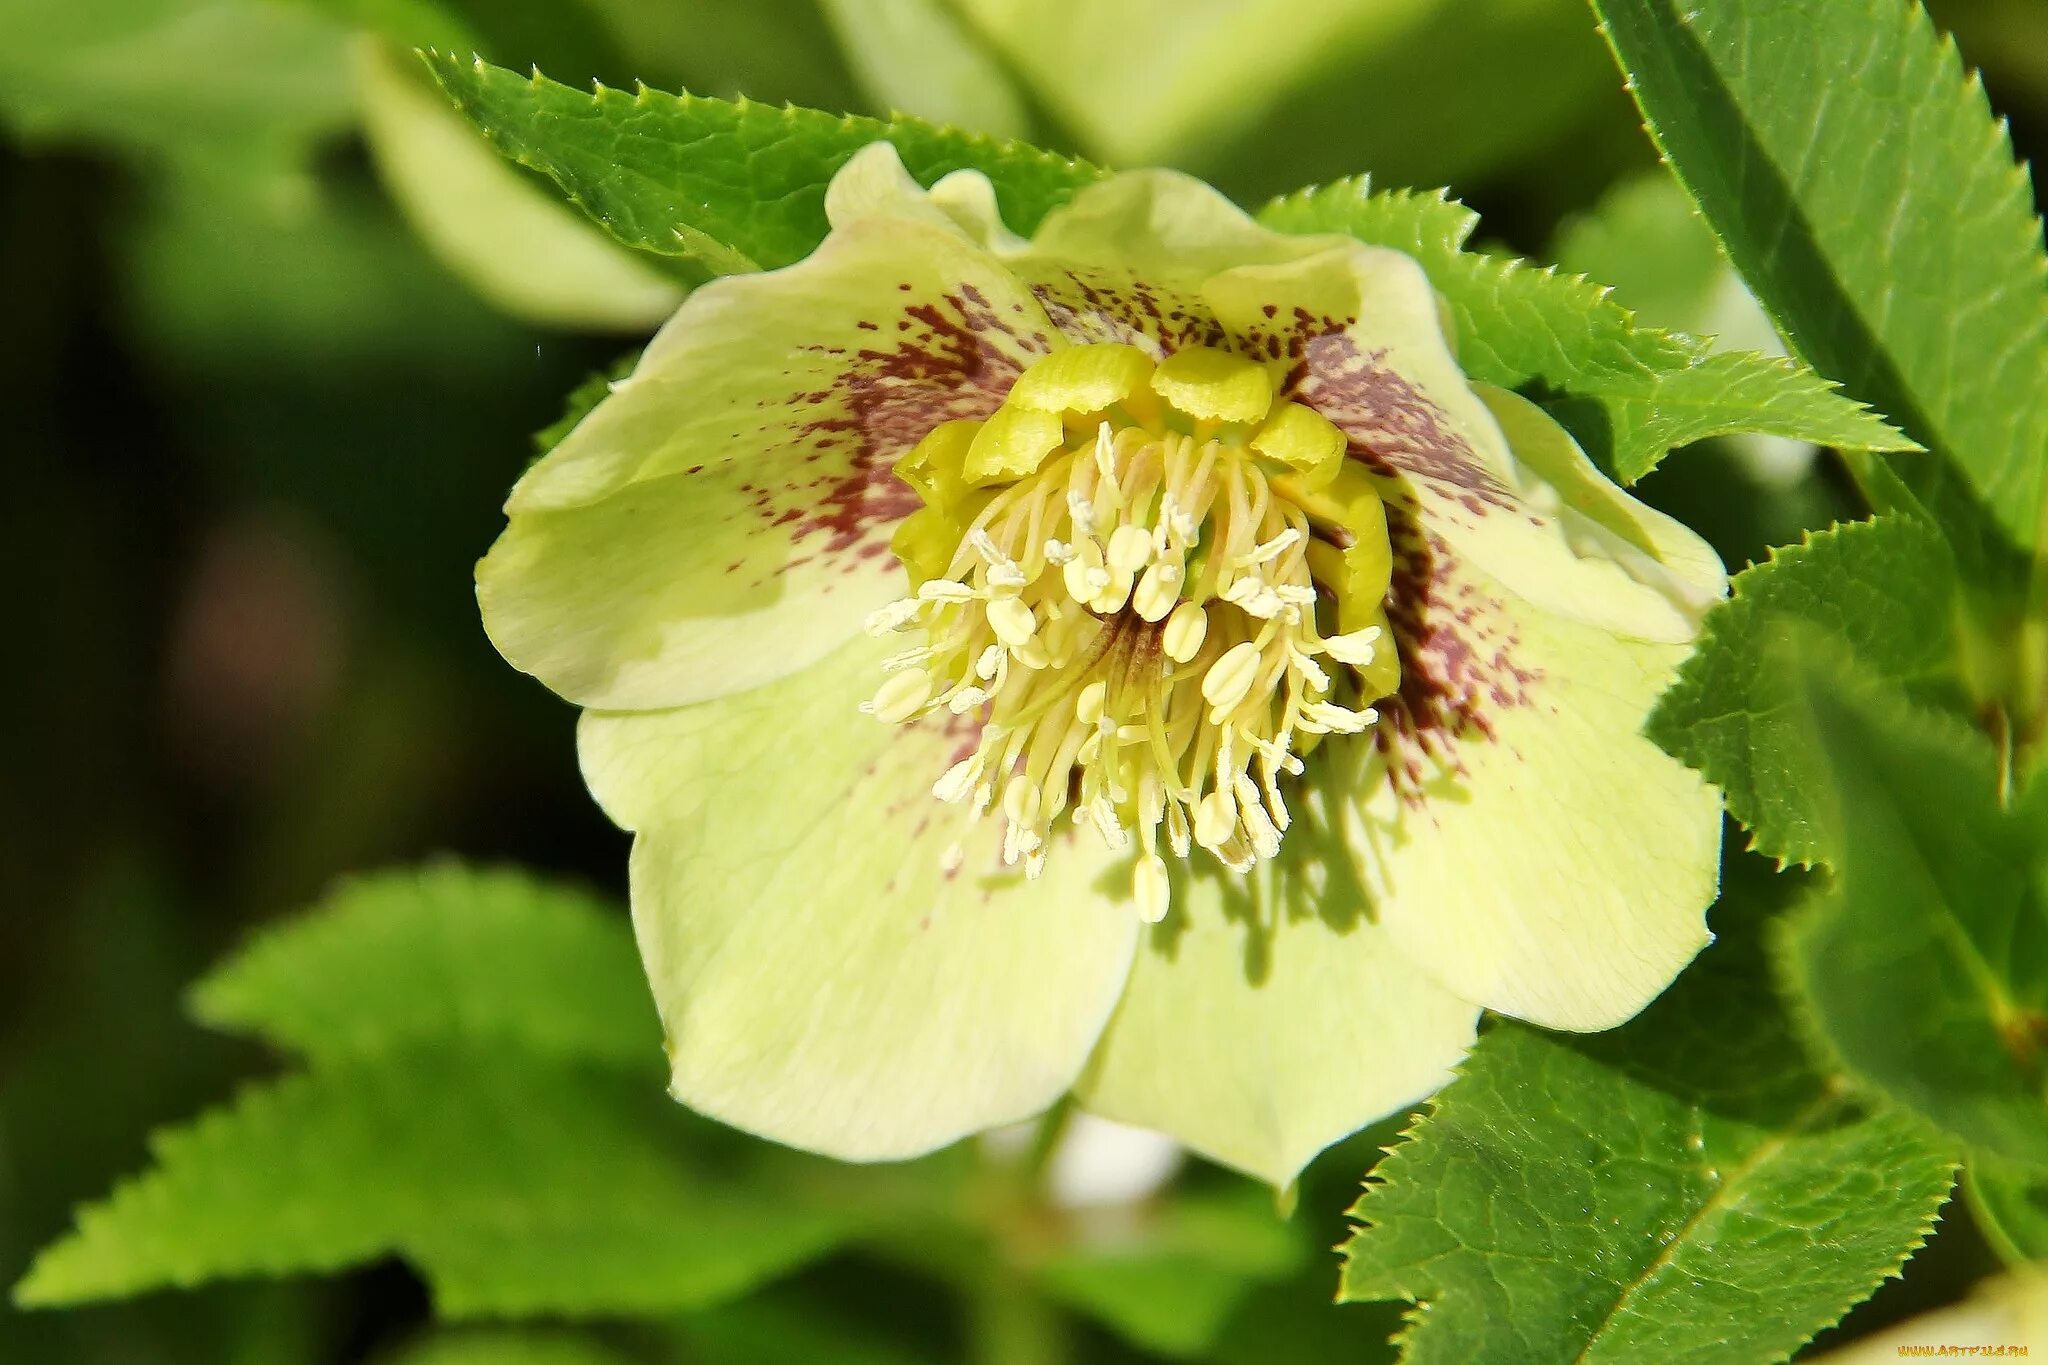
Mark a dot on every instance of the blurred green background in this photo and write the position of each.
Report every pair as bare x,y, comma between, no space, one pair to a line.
261,405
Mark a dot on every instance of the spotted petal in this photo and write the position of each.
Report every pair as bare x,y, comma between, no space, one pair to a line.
1270,1017
1518,837
723,517
823,981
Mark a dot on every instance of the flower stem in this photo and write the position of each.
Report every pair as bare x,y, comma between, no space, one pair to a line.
1012,1325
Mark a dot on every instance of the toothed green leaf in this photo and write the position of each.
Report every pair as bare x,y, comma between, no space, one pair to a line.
1685,1187
515,1187
734,186
444,955
1629,393
1938,900
1859,181
1886,589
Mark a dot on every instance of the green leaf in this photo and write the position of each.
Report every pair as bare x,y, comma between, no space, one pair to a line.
914,56
236,78
1884,589
734,186
1857,178
1685,1187
1170,1280
1629,393
2010,1203
444,955
514,1187
1938,901
503,1347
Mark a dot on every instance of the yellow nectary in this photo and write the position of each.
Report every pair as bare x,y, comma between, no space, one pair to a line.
1133,577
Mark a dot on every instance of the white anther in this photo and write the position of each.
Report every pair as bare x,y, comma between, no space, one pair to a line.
958,780
989,663
1088,705
985,545
1011,577
1272,549
1293,594
1158,590
1058,553
965,700
1130,548
1082,513
1185,630
1336,720
893,617
904,658
1356,648
1177,837
946,590
901,696
1149,888
1012,622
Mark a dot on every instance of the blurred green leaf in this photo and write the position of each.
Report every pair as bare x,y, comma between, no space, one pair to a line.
1312,91
242,79
913,57
1629,393
1859,181
734,186
1647,242
1938,900
489,960
1683,1187
2010,1202
509,237
1885,590
515,1186
503,1347
1170,1276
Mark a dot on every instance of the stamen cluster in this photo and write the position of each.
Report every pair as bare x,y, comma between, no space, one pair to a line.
1134,620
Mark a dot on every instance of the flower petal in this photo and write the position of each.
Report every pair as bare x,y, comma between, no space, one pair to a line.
724,516
822,981
1124,260
1267,1017
1361,330
1517,835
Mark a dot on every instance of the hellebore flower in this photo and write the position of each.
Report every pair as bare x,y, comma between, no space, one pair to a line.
948,608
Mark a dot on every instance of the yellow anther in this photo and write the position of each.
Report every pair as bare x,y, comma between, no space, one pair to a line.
1216,385
1158,590
1012,444
1230,677
900,698
1088,705
1215,820
1012,621
1130,548
1020,801
1082,378
1185,631
1085,574
1303,440
1149,888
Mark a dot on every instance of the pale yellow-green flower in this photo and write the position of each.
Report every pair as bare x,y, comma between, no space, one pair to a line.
1132,661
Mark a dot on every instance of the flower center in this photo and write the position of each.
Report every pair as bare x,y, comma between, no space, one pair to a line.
1154,590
